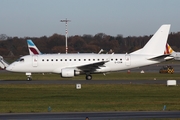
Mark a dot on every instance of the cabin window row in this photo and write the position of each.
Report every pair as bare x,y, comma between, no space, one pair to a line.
79,59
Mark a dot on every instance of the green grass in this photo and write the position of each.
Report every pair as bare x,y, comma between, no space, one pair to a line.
105,97
18,98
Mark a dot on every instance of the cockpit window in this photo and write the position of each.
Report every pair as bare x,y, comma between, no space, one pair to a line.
20,60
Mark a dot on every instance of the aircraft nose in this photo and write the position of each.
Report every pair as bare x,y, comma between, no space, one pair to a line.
9,68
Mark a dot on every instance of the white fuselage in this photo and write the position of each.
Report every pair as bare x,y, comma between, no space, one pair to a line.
54,63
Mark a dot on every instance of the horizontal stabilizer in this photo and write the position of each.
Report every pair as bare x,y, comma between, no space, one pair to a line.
161,57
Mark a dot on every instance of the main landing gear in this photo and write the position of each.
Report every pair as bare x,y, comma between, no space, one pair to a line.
88,77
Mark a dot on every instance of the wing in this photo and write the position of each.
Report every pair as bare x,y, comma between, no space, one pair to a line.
92,67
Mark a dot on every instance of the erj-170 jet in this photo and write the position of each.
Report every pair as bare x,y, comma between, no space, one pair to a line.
70,65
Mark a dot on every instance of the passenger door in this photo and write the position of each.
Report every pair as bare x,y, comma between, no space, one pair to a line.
35,60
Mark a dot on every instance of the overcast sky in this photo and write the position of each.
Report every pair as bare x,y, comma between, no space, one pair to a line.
36,18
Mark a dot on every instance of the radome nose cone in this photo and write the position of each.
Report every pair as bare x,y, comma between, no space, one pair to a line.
9,68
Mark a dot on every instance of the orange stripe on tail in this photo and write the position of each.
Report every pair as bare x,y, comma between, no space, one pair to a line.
168,49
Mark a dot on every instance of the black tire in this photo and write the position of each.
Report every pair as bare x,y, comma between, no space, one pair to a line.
88,77
29,78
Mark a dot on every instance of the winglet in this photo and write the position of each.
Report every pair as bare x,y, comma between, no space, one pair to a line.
33,50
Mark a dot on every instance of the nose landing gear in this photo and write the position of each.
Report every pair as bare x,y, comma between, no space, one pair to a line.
29,78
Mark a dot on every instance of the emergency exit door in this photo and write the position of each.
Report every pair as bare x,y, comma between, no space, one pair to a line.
128,59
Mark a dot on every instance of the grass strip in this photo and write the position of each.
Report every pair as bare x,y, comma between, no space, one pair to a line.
106,97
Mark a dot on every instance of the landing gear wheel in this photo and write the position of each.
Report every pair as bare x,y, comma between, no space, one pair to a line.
29,78
88,77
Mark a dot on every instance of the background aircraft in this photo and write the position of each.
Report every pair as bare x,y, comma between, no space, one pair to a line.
70,65
3,63
169,50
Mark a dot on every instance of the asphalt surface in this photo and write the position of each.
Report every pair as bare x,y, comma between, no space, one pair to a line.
91,115
86,82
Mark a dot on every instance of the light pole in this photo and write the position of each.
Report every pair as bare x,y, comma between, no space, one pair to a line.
66,21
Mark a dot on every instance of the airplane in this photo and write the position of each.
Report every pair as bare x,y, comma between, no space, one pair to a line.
3,63
71,65
33,50
169,50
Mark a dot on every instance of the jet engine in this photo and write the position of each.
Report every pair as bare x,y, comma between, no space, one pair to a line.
69,72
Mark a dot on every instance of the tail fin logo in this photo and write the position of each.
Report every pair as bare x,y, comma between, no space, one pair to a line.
33,50
168,49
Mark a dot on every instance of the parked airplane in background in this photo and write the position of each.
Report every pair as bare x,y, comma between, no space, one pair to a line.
70,65
169,50
33,50
3,63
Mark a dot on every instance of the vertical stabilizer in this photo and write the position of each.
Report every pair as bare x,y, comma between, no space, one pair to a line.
33,50
155,46
168,49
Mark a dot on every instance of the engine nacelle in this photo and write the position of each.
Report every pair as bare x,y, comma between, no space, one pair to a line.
69,72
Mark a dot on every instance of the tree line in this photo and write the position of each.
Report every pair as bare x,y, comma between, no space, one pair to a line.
15,46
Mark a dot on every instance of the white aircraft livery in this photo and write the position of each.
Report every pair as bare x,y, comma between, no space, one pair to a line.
70,65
